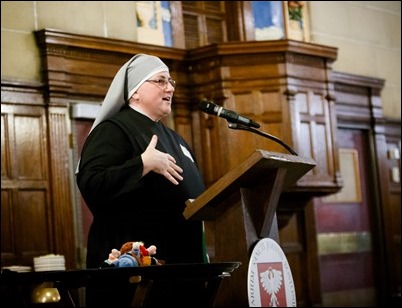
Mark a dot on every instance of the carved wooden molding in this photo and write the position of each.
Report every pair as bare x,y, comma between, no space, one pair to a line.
81,66
358,99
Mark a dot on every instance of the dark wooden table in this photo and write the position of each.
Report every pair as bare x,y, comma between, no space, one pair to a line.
16,288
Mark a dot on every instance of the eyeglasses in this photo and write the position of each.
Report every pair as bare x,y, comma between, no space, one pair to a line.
162,82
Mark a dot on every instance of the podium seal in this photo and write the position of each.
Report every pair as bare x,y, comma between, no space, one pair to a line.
270,281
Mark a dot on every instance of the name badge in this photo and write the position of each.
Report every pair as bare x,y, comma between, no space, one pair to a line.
186,152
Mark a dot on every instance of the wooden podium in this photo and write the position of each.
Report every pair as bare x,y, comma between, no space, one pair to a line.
243,206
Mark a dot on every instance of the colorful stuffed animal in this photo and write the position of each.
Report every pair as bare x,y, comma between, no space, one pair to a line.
114,255
133,254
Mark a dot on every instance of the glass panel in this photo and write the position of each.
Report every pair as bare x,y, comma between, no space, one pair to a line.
268,20
166,23
154,23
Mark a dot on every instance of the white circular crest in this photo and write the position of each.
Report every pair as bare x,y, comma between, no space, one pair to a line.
270,281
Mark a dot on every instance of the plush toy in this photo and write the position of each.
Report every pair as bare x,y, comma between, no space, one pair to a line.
133,254
114,255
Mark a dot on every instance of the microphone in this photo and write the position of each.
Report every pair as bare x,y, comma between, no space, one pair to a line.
230,116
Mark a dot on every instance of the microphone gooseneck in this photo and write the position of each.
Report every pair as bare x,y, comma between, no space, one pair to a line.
229,115
238,122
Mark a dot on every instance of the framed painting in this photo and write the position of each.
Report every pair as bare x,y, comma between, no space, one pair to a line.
276,20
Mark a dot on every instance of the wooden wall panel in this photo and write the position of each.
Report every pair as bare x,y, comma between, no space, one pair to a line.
390,167
27,228
358,108
266,81
203,22
61,171
28,130
36,182
7,227
312,116
32,224
5,148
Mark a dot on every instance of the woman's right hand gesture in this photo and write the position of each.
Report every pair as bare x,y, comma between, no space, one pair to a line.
161,163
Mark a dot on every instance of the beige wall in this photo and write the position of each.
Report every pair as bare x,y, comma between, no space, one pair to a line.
367,34
19,55
368,37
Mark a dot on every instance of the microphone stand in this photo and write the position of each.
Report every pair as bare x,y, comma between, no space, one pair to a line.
258,132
